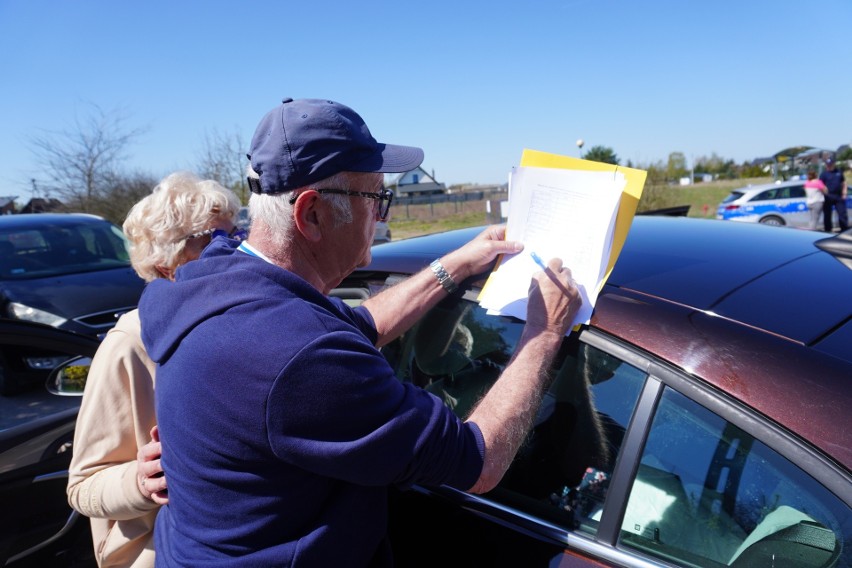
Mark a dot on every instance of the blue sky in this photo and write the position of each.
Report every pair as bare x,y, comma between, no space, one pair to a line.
472,83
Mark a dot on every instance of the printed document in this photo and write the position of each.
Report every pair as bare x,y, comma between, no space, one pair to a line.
564,213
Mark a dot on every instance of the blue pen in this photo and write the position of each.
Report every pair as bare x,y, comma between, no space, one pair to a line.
537,260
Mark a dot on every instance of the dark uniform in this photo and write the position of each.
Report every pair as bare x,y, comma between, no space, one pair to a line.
835,197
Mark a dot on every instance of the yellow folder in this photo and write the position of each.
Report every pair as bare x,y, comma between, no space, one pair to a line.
629,197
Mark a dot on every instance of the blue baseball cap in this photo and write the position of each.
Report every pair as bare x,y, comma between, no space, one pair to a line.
303,141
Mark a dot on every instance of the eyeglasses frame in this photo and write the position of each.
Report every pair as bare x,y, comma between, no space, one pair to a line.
382,196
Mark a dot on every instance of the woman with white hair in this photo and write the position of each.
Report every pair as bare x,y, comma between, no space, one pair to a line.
115,476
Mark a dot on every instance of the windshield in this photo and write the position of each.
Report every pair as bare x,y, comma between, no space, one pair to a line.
56,250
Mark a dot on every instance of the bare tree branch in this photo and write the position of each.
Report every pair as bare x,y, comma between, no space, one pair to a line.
223,158
78,163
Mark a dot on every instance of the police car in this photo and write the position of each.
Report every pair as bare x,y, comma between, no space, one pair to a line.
779,203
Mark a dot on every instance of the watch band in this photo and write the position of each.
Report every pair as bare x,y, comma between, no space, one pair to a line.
443,276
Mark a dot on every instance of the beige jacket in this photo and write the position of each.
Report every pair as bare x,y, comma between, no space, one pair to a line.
116,417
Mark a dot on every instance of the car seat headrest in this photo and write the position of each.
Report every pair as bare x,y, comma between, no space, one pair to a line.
442,344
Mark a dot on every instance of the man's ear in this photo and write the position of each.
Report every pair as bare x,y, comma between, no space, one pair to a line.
307,216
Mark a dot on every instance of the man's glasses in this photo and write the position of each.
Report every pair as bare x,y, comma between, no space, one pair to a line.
384,197
236,233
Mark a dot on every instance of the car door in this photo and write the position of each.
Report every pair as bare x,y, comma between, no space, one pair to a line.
630,463
782,205
547,510
793,204
37,527
711,491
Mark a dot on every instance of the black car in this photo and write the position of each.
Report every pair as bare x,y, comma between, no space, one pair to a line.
701,419
37,527
71,271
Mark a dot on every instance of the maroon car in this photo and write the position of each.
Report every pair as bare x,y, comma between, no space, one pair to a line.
701,419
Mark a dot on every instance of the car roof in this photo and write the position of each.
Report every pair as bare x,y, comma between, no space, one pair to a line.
24,220
760,276
762,313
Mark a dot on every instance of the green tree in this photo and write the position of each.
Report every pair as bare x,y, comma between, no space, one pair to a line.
710,165
728,170
601,154
655,192
676,167
752,170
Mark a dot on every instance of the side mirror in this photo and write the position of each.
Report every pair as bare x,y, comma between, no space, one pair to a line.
69,379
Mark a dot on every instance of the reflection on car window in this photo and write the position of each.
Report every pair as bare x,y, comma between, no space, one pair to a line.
790,192
708,494
56,250
570,456
26,367
562,472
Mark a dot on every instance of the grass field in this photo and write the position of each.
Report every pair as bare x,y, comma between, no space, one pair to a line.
414,220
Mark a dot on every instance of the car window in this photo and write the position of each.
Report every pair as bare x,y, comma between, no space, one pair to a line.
797,191
789,192
766,195
456,351
708,494
568,461
734,195
53,250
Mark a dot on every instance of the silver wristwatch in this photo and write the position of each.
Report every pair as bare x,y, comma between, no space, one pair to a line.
443,276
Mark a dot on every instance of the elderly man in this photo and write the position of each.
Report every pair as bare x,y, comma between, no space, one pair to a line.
282,425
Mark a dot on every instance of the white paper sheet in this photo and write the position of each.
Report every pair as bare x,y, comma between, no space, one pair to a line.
569,214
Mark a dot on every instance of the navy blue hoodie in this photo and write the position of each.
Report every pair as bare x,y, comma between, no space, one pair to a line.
282,425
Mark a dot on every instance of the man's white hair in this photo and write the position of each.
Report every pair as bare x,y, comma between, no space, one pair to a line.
276,211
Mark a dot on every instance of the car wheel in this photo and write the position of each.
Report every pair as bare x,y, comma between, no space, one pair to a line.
773,220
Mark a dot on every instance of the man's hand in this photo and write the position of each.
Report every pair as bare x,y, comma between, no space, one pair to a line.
478,254
398,307
149,472
553,299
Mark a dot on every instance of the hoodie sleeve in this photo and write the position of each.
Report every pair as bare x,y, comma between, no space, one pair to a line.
366,427
360,317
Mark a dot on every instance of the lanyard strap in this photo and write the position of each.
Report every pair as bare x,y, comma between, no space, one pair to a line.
251,251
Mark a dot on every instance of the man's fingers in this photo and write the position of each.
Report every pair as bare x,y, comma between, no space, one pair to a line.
495,232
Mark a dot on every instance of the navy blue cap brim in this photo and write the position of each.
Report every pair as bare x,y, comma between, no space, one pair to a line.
390,159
